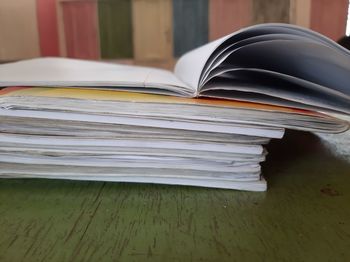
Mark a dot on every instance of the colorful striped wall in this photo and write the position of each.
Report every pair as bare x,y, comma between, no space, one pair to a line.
80,29
147,30
190,23
152,30
223,18
47,26
327,17
115,26
324,16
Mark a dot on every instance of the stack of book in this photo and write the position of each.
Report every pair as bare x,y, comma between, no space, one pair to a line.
206,124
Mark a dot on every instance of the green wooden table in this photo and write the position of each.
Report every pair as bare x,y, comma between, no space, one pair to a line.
304,215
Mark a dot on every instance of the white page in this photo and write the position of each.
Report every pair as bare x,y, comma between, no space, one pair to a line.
129,170
127,163
90,159
65,129
205,146
172,112
152,173
271,132
191,65
74,72
187,112
222,54
295,89
126,151
256,185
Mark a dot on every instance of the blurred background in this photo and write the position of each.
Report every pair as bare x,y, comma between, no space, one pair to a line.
147,32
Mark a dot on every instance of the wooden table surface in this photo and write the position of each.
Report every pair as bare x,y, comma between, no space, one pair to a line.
304,215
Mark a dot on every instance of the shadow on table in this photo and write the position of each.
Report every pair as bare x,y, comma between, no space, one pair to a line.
299,158
304,154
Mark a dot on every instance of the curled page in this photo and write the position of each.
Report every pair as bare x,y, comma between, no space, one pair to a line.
272,63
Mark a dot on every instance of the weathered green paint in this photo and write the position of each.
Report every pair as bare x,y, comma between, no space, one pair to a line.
304,215
115,28
190,22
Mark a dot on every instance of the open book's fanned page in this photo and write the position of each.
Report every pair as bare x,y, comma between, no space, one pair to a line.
272,63
73,72
190,66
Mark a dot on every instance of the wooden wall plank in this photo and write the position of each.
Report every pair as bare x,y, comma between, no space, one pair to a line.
329,17
60,25
227,16
115,28
80,29
190,24
272,11
300,12
152,24
48,28
18,30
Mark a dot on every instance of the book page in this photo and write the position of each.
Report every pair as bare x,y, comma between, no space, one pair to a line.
190,66
231,180
73,72
313,74
140,107
272,63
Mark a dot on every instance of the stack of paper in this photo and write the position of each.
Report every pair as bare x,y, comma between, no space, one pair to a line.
94,128
82,134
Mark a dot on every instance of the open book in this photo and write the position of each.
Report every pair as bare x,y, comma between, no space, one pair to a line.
72,119
276,64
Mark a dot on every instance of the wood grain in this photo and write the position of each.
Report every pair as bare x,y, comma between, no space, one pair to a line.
115,28
300,11
272,11
190,22
227,16
304,215
152,25
81,29
329,17
19,37
48,28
